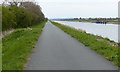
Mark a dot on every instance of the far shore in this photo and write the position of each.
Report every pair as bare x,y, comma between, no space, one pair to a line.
91,21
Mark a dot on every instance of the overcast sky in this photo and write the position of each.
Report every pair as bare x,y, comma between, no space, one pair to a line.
79,8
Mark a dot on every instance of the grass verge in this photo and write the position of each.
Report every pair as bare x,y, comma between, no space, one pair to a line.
103,46
18,45
0,55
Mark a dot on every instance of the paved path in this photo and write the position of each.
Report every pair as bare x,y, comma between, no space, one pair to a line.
57,50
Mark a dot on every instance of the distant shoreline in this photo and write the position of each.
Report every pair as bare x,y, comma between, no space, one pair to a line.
92,22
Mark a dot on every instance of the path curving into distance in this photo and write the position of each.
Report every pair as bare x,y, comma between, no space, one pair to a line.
57,50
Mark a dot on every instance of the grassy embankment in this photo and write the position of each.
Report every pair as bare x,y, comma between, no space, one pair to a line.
18,46
103,46
0,55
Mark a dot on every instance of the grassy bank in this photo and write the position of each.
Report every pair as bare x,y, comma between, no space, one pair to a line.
103,46
18,46
0,55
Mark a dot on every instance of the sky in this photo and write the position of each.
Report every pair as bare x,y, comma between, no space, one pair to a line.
79,8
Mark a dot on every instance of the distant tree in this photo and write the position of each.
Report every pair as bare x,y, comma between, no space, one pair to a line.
12,2
33,7
15,2
75,18
80,18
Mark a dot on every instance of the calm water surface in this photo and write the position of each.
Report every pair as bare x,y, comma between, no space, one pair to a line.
105,30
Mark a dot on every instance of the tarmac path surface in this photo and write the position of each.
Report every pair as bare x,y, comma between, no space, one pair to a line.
57,50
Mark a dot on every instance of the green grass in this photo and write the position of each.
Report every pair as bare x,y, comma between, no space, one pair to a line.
0,55
102,46
114,21
18,46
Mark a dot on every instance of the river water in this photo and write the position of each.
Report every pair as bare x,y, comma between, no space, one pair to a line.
105,30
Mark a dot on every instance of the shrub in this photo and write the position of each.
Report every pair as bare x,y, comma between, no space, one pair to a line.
20,17
8,18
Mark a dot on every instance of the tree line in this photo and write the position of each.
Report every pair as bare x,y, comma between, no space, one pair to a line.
20,14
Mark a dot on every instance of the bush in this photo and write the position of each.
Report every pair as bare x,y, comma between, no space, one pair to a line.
8,19
0,18
17,17
24,18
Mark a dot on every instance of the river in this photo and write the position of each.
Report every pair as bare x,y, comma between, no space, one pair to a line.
105,30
